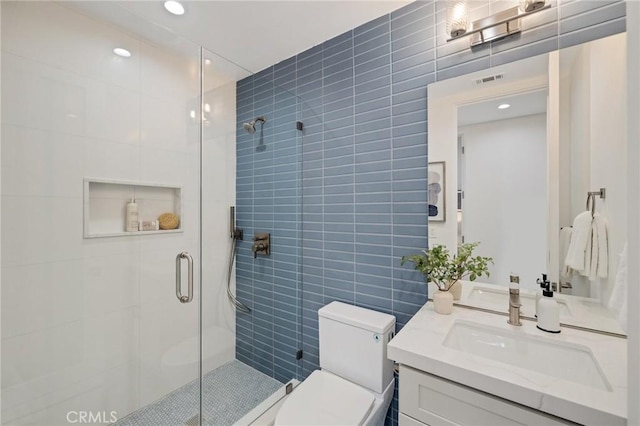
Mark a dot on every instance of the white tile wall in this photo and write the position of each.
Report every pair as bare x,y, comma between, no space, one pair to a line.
119,161
41,163
87,323
40,284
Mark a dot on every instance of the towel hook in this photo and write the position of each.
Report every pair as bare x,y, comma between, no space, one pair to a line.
591,197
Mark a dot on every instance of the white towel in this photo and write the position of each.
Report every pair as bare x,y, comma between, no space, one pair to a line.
618,300
580,238
588,252
565,240
600,249
591,255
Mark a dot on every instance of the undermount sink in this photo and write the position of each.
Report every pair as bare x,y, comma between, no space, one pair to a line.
558,359
500,297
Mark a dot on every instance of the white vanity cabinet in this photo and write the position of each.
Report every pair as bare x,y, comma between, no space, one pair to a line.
502,379
426,399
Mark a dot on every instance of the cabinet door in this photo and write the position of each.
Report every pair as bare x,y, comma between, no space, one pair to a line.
404,420
436,401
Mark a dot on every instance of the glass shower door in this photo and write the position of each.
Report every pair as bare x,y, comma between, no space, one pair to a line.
92,329
252,121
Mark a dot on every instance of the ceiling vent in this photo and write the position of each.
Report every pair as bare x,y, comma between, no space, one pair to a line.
489,79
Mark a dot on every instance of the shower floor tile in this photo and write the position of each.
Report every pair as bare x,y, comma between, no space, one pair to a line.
228,393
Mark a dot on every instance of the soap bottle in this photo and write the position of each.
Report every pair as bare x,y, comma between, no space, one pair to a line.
132,216
548,313
544,284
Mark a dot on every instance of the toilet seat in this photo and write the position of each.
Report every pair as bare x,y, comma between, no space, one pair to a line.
326,399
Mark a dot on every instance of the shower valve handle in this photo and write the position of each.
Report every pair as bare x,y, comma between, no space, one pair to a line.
261,245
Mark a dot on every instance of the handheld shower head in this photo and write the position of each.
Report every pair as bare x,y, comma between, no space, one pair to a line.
251,126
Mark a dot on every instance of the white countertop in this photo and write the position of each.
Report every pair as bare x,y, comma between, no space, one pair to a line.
420,345
575,310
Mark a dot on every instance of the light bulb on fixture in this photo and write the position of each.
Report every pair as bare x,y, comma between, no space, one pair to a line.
457,17
174,7
493,27
122,52
503,106
531,5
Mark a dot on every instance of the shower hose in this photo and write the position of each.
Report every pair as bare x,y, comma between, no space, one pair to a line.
238,304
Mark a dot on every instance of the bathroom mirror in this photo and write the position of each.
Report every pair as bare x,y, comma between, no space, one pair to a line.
518,148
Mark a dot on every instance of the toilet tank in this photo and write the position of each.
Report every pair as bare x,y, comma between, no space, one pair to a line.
353,344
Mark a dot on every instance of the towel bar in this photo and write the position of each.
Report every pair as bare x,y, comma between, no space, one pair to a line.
591,197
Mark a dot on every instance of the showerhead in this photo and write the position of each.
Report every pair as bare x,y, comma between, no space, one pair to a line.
251,126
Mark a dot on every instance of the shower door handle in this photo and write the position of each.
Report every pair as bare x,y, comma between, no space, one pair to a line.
189,297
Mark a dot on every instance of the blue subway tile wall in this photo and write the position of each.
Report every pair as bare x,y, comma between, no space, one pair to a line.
345,199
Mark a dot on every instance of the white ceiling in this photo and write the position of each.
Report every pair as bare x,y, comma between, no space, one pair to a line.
252,34
521,104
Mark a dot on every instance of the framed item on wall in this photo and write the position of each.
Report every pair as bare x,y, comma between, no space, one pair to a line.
436,191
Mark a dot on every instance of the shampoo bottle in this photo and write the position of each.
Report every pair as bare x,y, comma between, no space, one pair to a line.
132,216
548,313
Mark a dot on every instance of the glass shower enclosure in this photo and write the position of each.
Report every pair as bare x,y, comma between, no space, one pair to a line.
108,325
91,326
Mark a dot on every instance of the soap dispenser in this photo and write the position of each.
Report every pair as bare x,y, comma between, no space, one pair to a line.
548,313
544,284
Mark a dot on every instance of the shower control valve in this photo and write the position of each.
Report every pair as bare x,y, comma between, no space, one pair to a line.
261,245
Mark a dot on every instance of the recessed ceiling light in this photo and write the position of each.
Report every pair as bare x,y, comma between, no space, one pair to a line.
122,52
503,106
207,61
174,7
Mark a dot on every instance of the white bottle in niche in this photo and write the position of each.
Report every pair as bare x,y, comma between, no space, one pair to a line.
132,216
548,313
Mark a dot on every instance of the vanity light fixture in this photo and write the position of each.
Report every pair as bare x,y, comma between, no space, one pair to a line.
122,52
503,106
494,27
457,18
174,7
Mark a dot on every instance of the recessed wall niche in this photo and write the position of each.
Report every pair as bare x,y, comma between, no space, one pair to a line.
105,206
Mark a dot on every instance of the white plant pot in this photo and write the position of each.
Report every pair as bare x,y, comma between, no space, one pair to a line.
456,290
443,302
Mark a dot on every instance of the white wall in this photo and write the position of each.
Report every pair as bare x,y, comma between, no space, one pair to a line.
88,324
575,150
608,143
633,193
444,111
595,81
505,204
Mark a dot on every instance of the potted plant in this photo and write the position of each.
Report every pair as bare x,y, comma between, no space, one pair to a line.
440,268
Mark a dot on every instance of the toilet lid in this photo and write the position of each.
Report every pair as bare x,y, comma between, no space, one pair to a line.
325,399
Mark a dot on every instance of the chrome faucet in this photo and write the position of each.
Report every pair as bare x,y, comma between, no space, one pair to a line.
514,301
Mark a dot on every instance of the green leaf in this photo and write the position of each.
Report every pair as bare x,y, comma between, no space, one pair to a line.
440,267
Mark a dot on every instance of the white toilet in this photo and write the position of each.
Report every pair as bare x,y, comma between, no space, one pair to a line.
355,383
